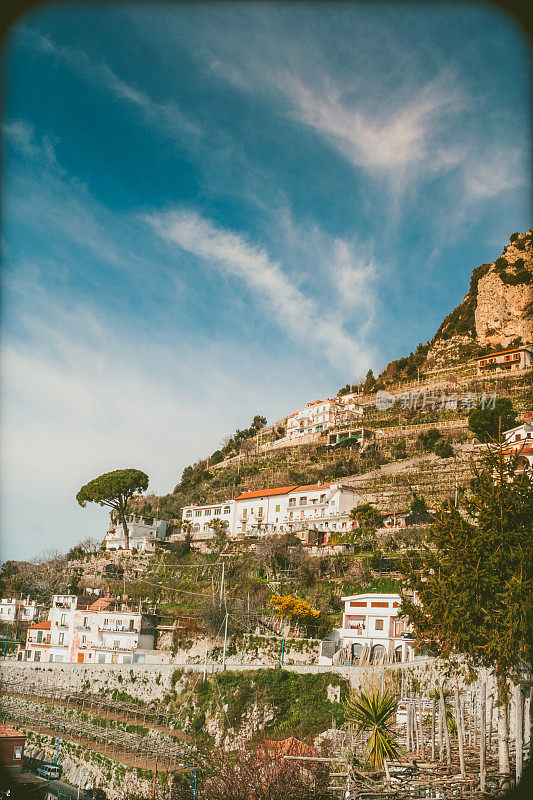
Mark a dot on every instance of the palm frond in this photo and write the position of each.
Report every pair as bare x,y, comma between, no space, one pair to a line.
372,713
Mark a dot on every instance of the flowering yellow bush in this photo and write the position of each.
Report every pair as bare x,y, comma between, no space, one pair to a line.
289,607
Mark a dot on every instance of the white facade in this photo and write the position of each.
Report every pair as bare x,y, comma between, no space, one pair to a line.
323,507
519,442
142,533
321,415
200,517
17,610
81,631
372,627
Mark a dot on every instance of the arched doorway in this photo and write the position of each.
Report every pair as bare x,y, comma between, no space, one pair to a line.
378,652
357,649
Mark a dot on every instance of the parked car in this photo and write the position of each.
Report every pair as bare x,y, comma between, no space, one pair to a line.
95,794
52,772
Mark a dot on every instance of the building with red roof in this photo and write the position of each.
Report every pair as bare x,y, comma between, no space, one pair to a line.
319,509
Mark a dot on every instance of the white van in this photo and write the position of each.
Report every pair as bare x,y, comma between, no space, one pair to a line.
49,771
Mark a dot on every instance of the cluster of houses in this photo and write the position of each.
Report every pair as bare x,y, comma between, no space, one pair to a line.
17,609
143,534
81,630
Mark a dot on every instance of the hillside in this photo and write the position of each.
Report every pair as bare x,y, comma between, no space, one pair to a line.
496,313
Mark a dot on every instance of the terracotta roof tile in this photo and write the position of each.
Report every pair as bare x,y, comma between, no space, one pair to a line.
41,625
265,492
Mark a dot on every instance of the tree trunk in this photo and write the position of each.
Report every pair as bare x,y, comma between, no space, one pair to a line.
126,531
503,726
519,732
441,735
460,731
433,730
445,725
421,730
483,739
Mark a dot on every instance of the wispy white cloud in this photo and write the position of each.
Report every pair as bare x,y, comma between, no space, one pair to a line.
301,316
167,117
393,139
497,171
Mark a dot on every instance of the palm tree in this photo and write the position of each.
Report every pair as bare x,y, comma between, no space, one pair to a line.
372,713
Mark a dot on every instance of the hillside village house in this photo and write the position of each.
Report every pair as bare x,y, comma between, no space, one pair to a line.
14,609
323,507
143,533
83,630
372,631
519,442
512,360
321,415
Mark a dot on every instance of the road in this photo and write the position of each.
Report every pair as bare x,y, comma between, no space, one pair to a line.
53,790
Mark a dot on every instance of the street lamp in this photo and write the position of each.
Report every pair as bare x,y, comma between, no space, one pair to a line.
184,766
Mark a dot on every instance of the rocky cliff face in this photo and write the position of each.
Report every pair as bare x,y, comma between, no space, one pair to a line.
496,313
504,308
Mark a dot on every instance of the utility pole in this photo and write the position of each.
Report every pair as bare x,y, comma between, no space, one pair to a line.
222,582
283,644
225,641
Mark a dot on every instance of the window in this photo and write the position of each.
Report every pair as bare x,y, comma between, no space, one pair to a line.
197,513
39,637
61,638
277,509
131,624
188,513
17,753
292,501
83,639
303,501
86,622
63,622
244,513
227,509
208,512
260,512
379,624
217,511
106,623
37,656
322,498
119,624
196,528
116,644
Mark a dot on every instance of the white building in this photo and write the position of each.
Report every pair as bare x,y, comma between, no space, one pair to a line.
319,507
80,630
519,442
198,519
321,415
143,533
372,631
14,609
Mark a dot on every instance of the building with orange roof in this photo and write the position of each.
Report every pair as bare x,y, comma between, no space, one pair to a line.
321,508
513,360
12,744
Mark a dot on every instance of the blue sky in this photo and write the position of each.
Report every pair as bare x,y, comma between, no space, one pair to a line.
217,210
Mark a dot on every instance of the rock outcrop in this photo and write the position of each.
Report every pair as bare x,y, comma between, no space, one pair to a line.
496,313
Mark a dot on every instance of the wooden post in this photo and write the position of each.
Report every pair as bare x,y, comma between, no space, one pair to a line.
407,727
460,730
519,738
483,739
433,730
